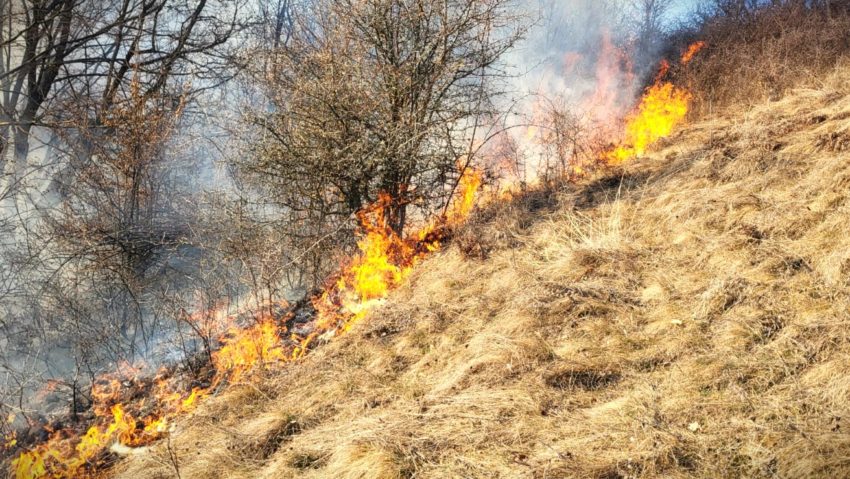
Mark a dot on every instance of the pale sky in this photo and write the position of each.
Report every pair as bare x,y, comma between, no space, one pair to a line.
682,8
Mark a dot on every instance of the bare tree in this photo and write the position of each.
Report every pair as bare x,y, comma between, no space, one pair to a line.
376,97
59,52
277,21
117,216
649,21
93,234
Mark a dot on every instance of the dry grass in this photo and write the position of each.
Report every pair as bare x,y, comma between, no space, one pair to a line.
765,51
688,316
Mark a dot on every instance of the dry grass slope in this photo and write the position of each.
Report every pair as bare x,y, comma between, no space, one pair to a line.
688,316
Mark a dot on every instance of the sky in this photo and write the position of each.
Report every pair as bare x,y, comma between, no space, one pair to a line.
682,8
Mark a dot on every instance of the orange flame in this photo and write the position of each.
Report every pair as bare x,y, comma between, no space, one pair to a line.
10,439
661,109
691,52
244,348
386,259
468,186
65,454
58,459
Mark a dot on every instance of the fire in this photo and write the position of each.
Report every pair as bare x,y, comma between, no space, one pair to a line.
57,458
661,109
9,439
244,348
189,403
66,454
460,209
384,261
691,52
380,266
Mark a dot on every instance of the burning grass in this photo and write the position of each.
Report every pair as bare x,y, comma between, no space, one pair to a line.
663,107
384,261
686,316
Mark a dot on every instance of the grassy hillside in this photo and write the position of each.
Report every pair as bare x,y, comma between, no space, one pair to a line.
686,316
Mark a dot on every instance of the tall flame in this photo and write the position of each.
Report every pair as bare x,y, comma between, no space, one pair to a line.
661,109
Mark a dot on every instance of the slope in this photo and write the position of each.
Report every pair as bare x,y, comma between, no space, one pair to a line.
684,316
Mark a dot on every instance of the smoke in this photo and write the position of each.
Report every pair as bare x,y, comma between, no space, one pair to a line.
571,52
584,62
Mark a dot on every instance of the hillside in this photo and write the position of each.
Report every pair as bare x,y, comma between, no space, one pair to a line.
684,316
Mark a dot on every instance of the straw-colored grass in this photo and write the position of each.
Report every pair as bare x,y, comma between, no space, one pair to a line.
686,316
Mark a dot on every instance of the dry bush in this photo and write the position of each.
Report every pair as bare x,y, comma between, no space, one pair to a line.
376,97
758,53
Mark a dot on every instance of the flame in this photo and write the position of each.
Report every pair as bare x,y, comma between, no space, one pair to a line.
661,109
10,439
66,454
386,259
691,52
460,209
189,403
58,459
242,349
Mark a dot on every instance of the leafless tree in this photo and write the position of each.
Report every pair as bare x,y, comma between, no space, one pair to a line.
277,21
59,52
371,97
91,238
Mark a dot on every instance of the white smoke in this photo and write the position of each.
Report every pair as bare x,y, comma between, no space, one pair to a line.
581,58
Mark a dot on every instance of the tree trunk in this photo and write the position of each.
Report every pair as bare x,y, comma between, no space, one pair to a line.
22,148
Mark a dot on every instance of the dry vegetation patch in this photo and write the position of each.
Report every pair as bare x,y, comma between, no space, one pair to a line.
760,51
684,317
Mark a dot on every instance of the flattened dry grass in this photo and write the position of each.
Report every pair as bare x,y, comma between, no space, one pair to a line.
688,316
